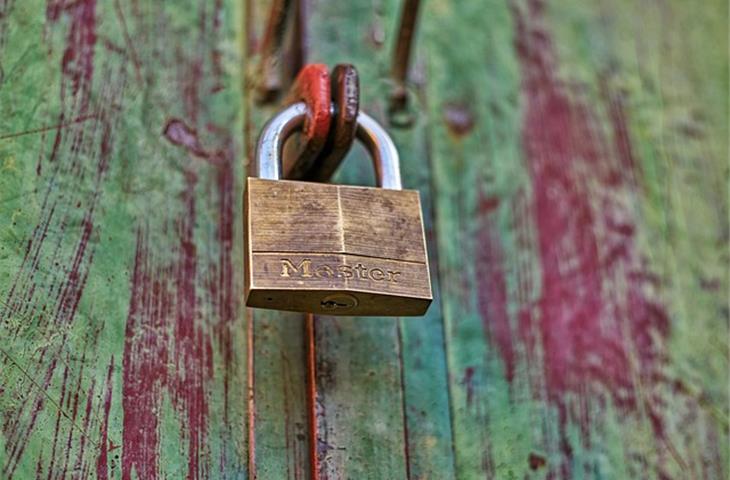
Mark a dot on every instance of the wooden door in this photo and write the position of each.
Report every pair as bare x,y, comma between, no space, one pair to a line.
572,157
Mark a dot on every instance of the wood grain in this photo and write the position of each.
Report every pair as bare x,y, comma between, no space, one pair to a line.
572,162
122,355
560,286
359,383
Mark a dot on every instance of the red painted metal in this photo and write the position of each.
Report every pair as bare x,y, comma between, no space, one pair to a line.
312,86
346,98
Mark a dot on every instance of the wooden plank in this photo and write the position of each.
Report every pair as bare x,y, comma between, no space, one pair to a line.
280,425
382,403
363,410
574,154
359,406
278,416
472,94
564,240
121,318
429,440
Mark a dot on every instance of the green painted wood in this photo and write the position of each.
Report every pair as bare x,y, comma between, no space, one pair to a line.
425,381
360,418
123,351
475,157
382,383
278,418
280,425
572,159
575,154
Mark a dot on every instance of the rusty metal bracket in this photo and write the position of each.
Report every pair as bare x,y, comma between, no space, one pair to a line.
281,60
400,64
270,81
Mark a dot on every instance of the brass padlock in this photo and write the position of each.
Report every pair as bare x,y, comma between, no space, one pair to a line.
333,249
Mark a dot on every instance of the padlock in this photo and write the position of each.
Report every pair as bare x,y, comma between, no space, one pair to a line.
333,249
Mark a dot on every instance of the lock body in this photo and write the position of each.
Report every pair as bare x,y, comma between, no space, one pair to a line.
335,249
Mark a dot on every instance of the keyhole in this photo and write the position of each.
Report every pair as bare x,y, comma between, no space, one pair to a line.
338,301
333,304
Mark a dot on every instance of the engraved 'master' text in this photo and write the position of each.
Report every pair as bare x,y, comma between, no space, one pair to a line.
307,269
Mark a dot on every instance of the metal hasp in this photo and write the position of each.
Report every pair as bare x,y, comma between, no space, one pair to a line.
334,249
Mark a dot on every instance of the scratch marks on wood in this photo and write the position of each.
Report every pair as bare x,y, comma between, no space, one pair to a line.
183,303
144,366
183,296
48,286
166,353
45,129
77,63
102,463
128,42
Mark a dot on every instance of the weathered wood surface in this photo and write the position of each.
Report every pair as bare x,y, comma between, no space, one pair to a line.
573,161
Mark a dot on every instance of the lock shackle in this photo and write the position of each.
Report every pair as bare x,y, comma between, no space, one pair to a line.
372,135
